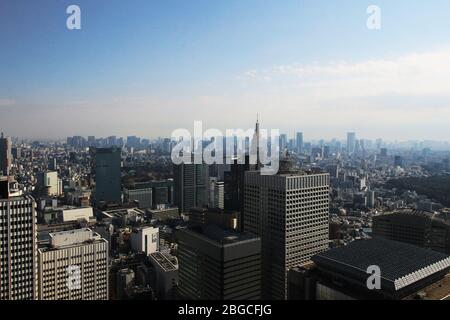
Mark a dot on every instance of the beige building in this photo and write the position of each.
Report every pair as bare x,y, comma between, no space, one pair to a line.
73,266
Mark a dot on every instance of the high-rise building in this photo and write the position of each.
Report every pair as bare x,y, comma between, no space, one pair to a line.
289,211
370,199
235,186
108,175
398,161
191,186
299,142
16,152
18,241
216,190
283,142
351,142
5,155
74,266
218,264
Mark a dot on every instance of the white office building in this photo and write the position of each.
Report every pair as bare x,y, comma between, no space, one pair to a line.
145,240
74,266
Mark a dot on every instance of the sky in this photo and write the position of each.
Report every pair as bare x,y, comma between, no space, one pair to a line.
148,67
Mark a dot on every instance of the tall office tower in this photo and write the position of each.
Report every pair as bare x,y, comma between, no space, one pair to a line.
235,186
52,164
111,141
371,199
398,161
299,142
289,211
5,155
283,142
218,264
191,186
351,142
91,141
133,142
16,153
49,183
18,238
107,175
74,266
216,193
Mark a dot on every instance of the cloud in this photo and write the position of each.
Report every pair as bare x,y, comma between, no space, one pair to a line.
412,74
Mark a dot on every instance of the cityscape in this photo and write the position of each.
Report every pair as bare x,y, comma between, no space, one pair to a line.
284,207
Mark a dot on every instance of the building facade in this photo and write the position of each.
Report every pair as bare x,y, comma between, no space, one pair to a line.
18,240
108,175
191,186
74,266
289,211
218,264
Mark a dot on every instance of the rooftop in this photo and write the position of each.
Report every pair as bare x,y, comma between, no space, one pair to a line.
401,264
163,261
221,235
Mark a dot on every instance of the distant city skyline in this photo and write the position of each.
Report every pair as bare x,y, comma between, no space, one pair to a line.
152,67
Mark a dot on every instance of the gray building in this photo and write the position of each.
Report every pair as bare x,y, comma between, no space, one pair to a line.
18,241
351,142
166,275
420,228
289,211
299,142
218,264
5,155
108,175
73,266
143,196
407,273
191,186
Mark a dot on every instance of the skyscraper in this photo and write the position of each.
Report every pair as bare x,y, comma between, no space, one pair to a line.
108,175
299,142
17,245
191,186
289,211
351,142
283,142
216,193
5,155
218,264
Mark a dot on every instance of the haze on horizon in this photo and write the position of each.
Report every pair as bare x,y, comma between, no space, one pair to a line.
147,68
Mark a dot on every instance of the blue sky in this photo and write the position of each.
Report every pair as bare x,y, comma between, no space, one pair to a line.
148,67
